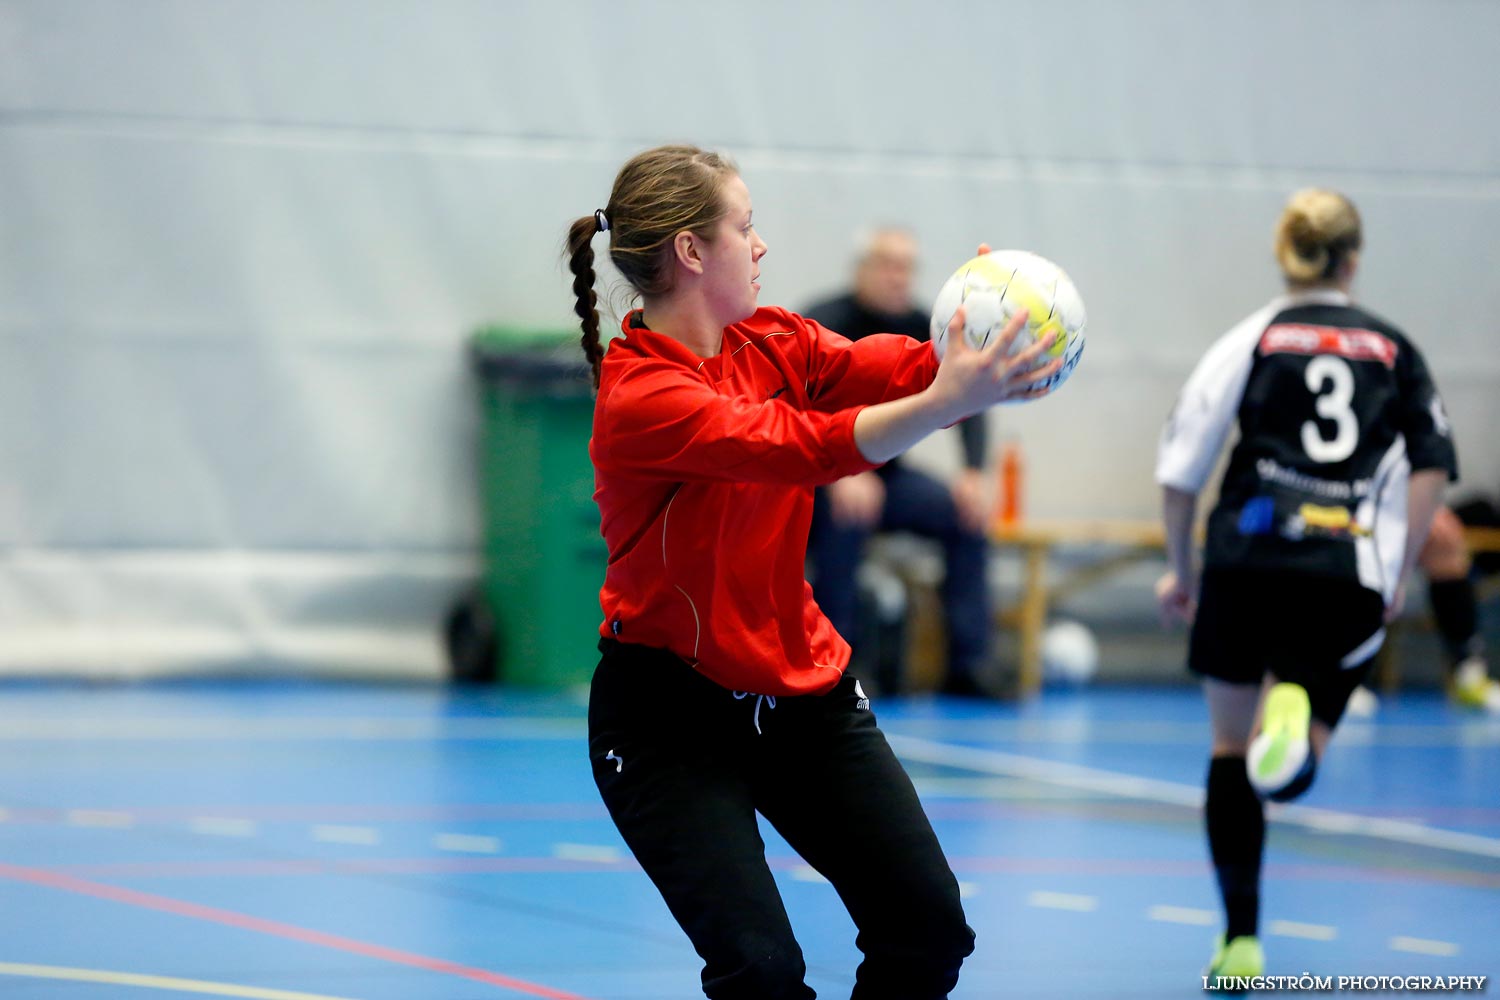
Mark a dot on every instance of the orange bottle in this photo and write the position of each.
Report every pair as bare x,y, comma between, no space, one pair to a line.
1012,483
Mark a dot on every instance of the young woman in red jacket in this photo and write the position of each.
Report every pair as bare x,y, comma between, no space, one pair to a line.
721,691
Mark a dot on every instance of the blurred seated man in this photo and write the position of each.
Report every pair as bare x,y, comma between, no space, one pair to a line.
897,497
1446,560
1448,565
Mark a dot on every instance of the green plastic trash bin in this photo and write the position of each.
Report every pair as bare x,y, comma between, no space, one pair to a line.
544,558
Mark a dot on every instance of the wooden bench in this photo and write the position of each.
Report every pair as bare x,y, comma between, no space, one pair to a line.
1129,542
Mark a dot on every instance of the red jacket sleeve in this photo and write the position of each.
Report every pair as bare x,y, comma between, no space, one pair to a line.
873,369
662,420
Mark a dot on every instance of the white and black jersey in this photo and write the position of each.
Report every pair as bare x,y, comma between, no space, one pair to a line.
1334,408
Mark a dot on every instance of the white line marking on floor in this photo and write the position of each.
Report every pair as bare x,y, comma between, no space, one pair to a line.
465,843
807,873
1189,796
1401,831
1335,823
1423,946
587,852
362,835
1007,789
104,818
968,890
1183,915
1063,901
1046,771
1310,932
222,826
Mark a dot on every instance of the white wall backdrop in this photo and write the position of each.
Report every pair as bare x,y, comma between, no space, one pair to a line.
243,242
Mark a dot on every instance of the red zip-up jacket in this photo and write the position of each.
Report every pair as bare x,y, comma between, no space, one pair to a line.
704,471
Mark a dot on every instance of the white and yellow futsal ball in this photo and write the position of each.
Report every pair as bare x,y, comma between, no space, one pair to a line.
992,286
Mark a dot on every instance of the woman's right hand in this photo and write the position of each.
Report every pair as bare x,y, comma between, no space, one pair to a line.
967,382
972,380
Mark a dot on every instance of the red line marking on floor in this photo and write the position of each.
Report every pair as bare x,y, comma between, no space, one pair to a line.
963,865
242,921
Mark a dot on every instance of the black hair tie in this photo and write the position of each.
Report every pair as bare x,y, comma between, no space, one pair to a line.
601,221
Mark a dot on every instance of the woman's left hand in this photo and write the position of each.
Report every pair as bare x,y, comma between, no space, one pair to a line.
1174,598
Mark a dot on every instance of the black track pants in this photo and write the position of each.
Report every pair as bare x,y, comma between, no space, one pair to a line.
684,765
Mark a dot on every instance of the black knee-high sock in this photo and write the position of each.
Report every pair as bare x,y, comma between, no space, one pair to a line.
1457,617
1236,823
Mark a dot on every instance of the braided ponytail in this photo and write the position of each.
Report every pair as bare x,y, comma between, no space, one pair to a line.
585,304
657,194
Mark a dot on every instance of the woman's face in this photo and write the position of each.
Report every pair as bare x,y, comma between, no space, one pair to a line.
731,259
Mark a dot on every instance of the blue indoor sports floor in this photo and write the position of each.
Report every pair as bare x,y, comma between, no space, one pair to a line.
294,840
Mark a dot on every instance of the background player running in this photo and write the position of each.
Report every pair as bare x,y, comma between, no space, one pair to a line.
1343,453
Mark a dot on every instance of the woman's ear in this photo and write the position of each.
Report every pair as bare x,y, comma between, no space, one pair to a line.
686,249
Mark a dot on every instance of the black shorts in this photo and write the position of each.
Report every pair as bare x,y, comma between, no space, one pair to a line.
1296,627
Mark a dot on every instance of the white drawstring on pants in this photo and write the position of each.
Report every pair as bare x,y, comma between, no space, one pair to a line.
760,699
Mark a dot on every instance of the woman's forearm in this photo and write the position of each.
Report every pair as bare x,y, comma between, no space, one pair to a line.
1424,492
885,430
1178,508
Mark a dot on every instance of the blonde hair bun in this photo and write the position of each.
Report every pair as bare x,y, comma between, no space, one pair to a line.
1318,228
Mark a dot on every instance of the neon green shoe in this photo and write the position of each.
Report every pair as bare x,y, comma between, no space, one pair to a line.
1240,958
1472,686
1280,751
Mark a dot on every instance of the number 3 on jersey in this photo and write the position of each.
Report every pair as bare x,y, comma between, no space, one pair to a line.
1332,381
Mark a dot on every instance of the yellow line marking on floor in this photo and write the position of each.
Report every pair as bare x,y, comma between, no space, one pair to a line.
222,826
587,852
1311,932
155,982
360,836
465,843
1064,901
807,873
1191,916
106,818
1423,946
